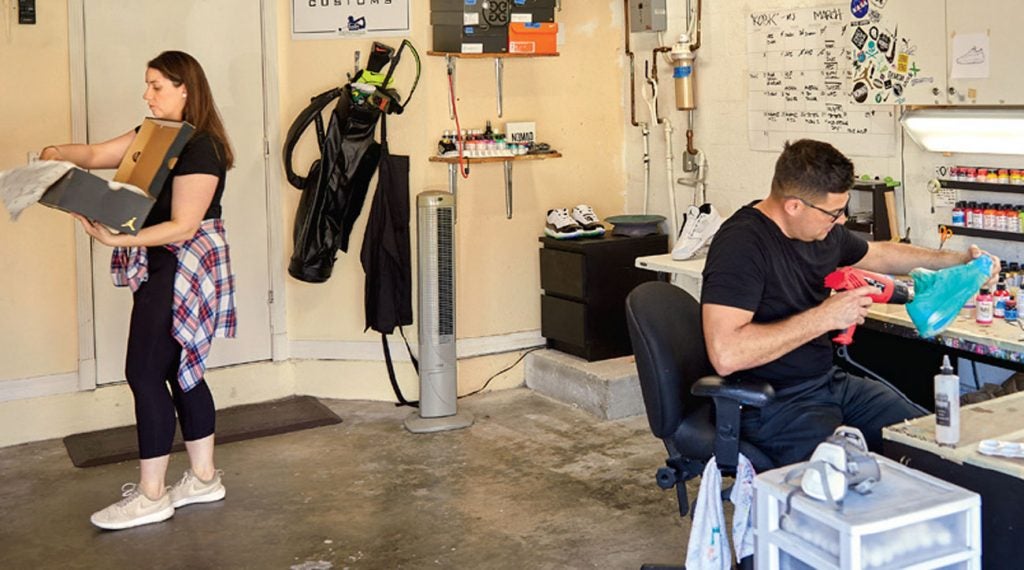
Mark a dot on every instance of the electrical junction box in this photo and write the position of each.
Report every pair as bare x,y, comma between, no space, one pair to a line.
648,16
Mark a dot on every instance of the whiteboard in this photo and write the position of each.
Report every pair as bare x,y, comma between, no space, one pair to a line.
319,19
798,68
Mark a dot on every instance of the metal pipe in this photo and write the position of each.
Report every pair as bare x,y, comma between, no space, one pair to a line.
696,45
670,182
499,67
647,165
508,189
654,59
654,72
632,68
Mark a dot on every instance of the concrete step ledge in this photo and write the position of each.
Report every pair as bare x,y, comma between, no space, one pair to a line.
608,389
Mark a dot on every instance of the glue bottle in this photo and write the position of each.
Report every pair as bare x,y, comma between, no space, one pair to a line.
947,405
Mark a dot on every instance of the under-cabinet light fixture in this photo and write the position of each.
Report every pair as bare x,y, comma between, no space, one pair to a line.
984,130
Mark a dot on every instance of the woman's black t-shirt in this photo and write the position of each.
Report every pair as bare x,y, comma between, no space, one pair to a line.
753,266
201,155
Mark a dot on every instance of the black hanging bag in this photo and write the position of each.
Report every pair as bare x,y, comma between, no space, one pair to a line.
334,190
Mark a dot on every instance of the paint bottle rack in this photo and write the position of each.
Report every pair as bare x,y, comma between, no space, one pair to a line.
453,161
984,187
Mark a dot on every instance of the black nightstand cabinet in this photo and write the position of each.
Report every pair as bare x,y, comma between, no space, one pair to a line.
585,284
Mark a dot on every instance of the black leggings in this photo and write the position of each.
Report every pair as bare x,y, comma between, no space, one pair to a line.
152,364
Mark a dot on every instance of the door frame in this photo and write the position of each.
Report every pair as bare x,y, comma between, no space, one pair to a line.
87,365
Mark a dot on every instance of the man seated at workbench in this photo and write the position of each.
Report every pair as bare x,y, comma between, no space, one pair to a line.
766,312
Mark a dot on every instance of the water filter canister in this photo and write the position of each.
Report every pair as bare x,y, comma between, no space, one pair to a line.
947,405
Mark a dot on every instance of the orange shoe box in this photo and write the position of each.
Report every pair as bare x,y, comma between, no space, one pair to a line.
533,37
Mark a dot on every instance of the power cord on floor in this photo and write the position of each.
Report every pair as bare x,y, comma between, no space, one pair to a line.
500,372
844,353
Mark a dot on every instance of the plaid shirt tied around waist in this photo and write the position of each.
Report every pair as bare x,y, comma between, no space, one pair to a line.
204,293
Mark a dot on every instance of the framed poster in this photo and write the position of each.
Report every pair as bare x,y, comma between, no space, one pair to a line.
320,19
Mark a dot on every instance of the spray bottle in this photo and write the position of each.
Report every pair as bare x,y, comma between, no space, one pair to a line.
682,72
947,405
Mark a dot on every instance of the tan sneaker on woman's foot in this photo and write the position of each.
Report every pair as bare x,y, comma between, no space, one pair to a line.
135,509
191,489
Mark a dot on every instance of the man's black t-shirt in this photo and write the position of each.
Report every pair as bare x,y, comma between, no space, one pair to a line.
201,155
752,265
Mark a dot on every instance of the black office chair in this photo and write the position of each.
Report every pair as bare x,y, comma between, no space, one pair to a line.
695,413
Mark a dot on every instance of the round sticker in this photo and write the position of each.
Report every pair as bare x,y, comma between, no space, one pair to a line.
859,8
860,92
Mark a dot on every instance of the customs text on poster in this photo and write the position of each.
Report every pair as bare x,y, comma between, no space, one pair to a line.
320,19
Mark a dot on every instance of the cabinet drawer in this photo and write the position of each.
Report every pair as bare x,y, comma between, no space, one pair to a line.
563,320
563,273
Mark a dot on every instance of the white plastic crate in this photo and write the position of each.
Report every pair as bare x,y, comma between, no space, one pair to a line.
909,520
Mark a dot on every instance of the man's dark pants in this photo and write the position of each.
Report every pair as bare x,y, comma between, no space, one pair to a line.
802,416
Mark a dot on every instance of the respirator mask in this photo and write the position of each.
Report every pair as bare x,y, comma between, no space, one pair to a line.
838,464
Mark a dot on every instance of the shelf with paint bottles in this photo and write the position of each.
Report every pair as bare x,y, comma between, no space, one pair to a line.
1009,187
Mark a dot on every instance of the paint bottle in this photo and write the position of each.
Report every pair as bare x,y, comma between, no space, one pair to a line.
989,219
1010,314
959,218
1012,219
999,298
1003,176
981,175
983,307
947,405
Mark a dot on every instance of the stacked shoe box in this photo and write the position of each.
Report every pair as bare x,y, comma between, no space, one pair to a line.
533,11
470,26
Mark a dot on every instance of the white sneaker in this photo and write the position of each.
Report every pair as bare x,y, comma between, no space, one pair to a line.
190,489
584,216
561,226
135,509
699,225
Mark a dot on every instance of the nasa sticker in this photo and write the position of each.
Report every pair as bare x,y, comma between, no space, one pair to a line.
859,8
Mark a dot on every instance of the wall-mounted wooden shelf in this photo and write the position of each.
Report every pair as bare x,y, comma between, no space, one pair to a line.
453,171
488,55
478,160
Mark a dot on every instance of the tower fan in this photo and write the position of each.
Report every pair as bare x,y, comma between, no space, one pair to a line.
435,214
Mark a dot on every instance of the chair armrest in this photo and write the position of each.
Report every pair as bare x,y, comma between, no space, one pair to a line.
755,393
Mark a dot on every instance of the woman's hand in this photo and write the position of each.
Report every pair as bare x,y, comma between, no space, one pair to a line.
50,153
100,232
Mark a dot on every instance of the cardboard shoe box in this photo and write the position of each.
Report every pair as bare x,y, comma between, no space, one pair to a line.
529,11
146,164
533,37
471,39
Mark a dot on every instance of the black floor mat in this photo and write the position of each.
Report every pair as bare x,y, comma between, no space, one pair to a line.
233,424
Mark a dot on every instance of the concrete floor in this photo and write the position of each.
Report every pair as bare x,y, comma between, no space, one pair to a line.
532,484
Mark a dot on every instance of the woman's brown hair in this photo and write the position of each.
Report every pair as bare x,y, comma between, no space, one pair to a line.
200,109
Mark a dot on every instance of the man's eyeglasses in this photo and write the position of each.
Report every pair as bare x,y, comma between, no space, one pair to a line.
834,214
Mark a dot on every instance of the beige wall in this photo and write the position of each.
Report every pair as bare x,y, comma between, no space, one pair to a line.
38,328
576,100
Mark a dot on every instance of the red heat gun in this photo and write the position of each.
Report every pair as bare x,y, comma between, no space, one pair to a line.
890,291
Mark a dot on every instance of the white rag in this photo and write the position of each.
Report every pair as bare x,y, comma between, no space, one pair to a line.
742,497
708,548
